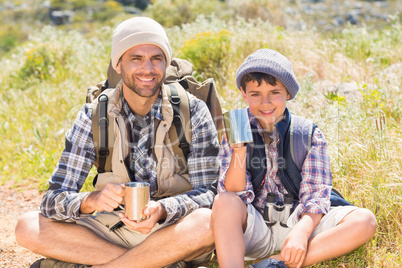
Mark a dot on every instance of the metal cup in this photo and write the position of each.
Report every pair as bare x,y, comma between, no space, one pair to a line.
237,127
136,198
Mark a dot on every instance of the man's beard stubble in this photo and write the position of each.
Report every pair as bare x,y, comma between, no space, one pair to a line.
130,82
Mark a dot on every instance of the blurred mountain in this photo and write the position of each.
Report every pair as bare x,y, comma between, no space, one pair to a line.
20,18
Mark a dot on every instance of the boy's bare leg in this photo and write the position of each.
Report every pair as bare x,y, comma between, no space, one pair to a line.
354,230
64,241
229,215
188,238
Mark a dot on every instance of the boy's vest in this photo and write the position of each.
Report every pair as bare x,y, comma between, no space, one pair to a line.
295,142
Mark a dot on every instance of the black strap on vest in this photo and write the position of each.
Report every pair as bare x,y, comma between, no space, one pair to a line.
103,133
256,162
177,122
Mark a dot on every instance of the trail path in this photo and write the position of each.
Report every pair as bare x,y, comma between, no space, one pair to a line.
14,203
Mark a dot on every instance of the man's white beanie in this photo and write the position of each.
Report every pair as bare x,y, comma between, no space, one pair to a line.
139,31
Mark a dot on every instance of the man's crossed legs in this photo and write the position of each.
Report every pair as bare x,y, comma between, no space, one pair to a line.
185,240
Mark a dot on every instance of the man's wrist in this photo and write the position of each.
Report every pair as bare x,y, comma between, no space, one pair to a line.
162,212
85,207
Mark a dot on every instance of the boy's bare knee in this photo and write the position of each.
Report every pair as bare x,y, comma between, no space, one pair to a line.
364,220
369,220
225,200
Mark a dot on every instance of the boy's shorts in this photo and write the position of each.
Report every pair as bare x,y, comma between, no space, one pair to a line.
262,241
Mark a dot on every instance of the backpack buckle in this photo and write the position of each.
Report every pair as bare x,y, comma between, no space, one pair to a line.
103,122
184,146
103,152
176,119
175,100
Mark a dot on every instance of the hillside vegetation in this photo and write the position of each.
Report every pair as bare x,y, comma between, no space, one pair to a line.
350,86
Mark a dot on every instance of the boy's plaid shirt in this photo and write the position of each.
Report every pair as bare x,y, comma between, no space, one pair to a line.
62,200
316,185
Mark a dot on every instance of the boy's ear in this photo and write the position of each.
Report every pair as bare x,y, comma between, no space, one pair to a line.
243,94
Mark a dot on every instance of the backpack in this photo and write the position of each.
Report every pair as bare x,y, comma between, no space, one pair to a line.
295,142
180,80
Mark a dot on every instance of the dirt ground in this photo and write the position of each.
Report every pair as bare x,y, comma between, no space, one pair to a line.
14,203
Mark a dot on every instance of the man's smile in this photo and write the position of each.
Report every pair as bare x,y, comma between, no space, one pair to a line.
145,79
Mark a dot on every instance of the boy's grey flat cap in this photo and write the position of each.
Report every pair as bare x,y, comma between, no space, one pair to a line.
270,62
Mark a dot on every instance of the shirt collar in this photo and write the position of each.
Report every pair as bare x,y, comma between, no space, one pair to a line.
254,121
155,111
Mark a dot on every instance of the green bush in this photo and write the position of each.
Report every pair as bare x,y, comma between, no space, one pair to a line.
7,42
178,12
10,37
208,52
72,4
107,10
266,10
39,64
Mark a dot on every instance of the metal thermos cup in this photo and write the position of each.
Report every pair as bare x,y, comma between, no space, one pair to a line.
237,127
136,198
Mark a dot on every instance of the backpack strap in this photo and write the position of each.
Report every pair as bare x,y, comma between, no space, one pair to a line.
300,134
294,137
103,135
181,120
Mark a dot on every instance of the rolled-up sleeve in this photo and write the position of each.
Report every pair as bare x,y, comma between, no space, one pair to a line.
62,200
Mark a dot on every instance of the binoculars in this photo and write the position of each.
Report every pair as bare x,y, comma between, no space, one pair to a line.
277,212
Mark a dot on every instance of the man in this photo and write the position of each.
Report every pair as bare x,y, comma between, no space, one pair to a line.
85,228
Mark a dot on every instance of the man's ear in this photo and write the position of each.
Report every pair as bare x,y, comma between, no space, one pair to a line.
288,96
118,69
243,94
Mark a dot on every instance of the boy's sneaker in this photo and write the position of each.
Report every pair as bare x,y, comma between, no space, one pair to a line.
50,263
269,263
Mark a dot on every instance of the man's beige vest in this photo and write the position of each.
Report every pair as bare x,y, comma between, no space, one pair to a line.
169,178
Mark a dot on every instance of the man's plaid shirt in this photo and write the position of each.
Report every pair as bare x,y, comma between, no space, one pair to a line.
316,185
63,199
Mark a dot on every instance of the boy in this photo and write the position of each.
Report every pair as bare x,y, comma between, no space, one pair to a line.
316,230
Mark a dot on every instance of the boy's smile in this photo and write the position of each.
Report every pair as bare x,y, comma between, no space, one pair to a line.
267,103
